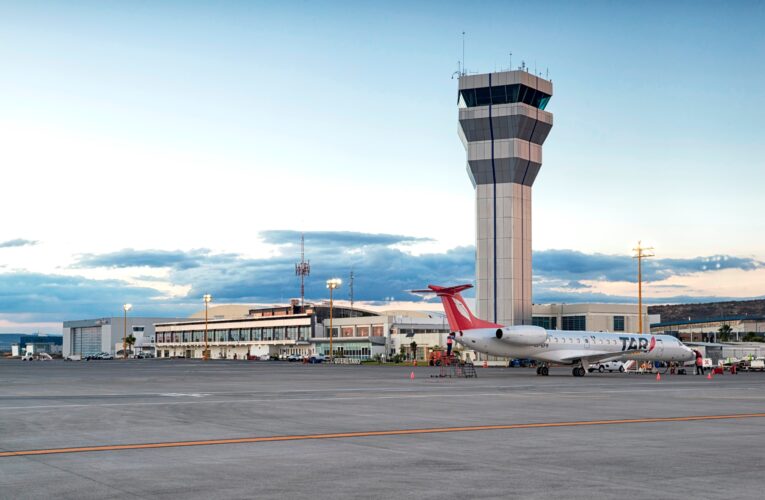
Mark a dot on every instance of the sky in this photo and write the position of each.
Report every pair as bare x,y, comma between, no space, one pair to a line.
155,151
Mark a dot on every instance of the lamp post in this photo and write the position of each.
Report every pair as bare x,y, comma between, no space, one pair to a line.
207,298
332,284
125,308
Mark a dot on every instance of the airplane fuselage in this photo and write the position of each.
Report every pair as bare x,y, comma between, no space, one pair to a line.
575,347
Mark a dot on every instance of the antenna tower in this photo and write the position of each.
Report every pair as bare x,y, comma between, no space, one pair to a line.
302,269
640,254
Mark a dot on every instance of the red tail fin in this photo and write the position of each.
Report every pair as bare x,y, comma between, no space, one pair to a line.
457,312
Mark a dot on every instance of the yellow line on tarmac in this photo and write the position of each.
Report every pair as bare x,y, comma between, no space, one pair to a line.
395,432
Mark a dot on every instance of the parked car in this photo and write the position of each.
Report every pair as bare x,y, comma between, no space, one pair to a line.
294,357
317,358
522,363
104,355
73,357
28,357
144,355
607,366
265,357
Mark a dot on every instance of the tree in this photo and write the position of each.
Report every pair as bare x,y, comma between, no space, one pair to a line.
130,341
725,331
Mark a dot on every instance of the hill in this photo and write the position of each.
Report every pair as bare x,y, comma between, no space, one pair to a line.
681,312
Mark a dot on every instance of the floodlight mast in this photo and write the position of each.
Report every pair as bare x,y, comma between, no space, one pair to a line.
332,284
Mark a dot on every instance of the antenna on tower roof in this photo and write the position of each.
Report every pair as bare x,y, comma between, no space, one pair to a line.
511,61
464,71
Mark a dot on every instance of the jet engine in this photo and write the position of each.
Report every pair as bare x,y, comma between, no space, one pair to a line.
522,335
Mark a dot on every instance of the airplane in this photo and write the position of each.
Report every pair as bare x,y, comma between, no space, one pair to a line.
574,348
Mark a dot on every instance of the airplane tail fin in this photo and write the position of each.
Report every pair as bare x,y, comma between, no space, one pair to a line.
457,312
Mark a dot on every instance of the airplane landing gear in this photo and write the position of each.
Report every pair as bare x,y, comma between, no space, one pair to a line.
578,371
543,370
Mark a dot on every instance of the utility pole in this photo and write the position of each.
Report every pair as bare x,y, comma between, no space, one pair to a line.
640,254
350,290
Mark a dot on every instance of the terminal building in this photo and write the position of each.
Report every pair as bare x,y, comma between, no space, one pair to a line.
279,331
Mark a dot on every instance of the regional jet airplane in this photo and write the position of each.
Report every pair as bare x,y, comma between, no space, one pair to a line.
577,349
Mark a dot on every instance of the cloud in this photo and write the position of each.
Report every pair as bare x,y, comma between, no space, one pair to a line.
574,265
144,258
49,297
379,271
18,242
334,239
382,268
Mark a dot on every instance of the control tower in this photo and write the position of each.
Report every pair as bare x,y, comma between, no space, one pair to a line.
503,125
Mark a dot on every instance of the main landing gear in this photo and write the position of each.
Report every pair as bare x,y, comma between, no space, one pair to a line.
543,370
578,371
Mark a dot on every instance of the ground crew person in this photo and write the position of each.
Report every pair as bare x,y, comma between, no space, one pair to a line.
699,365
449,340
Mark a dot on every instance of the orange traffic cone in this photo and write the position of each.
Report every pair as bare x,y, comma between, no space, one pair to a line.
411,375
658,377
709,376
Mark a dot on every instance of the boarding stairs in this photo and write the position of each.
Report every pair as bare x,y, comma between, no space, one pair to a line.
452,367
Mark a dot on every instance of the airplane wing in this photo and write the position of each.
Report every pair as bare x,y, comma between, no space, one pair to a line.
594,356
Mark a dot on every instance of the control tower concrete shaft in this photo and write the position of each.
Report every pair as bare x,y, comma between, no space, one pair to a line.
503,125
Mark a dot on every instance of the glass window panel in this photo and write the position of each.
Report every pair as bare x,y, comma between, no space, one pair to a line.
468,97
618,323
498,95
512,92
305,332
482,97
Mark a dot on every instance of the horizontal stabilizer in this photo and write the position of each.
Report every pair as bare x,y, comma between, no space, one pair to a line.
444,290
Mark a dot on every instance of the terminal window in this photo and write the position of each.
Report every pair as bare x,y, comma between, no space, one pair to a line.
574,323
618,323
545,322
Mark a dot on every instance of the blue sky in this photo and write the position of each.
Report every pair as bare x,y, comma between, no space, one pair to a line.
191,134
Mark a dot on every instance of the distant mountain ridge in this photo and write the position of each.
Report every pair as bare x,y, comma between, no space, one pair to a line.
681,312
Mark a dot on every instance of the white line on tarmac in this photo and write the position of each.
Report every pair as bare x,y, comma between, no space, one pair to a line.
438,384
345,398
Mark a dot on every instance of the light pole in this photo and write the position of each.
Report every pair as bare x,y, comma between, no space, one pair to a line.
207,298
125,308
332,284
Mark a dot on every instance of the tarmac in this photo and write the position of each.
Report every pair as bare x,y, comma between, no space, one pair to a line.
236,429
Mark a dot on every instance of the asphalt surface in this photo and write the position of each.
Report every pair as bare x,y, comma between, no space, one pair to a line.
56,404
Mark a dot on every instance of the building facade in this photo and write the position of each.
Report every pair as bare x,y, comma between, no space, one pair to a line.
593,317
357,334
708,329
503,125
91,336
